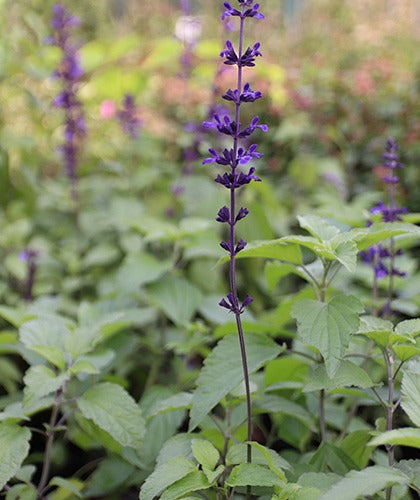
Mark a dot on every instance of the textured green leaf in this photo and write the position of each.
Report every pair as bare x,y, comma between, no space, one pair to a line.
253,475
52,354
406,436
331,458
194,481
83,366
357,484
318,227
46,332
112,409
177,446
280,249
380,231
410,389
320,480
14,447
166,475
348,374
41,381
405,352
328,326
22,492
408,328
222,371
346,253
205,453
177,298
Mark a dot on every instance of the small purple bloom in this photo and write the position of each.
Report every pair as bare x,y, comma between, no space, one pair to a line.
127,117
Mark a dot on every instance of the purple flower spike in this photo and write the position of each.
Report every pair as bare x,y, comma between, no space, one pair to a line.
376,255
70,73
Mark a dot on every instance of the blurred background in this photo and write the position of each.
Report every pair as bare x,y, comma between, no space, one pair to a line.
338,78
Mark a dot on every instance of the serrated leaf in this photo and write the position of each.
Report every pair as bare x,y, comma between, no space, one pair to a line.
280,249
346,253
194,481
407,436
166,475
21,492
222,371
320,480
405,352
379,330
181,401
237,454
410,389
14,447
205,453
112,409
328,326
253,475
332,458
357,484
177,446
380,231
348,374
39,382
177,298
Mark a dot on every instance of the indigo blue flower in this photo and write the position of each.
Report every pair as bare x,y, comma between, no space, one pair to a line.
70,73
237,155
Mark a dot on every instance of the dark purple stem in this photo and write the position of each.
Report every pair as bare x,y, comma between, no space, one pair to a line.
232,264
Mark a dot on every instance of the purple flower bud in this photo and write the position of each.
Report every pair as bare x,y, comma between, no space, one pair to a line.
240,246
223,215
243,212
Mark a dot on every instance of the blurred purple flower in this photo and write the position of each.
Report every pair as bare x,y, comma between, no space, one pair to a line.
70,73
127,117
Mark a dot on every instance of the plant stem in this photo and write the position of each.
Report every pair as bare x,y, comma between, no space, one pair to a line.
322,426
232,264
50,441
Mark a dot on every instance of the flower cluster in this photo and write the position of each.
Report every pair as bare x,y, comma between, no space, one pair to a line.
236,156
381,259
127,117
70,73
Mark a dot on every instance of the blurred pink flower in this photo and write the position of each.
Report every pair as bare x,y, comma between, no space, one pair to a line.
108,109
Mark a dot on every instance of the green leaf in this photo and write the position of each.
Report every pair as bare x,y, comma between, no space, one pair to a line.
39,382
110,474
21,492
405,352
280,249
15,317
194,481
410,389
177,298
83,366
138,269
346,253
320,480
379,330
407,436
112,409
253,475
355,445
380,231
177,446
65,484
14,447
205,453
277,404
237,454
331,458
369,481
348,374
222,371
408,328
52,354
46,332
274,271
181,401
328,326
166,475
318,227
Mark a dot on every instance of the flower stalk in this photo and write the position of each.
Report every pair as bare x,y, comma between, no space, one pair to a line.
235,178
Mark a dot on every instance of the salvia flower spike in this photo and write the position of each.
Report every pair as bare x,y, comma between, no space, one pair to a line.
234,158
70,73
